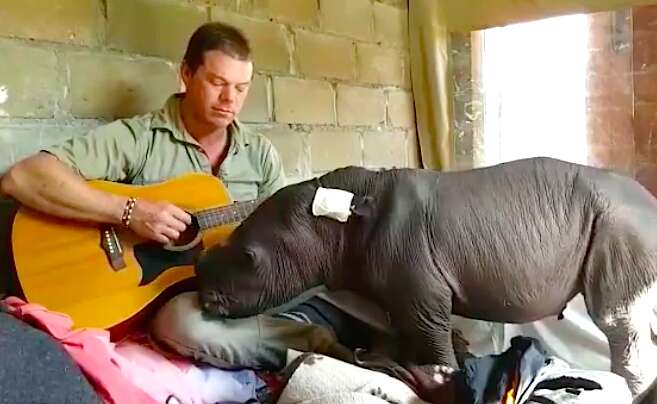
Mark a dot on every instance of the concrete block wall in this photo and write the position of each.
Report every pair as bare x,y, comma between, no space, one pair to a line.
645,88
332,84
610,97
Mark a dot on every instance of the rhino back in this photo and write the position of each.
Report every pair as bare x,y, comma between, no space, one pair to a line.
511,239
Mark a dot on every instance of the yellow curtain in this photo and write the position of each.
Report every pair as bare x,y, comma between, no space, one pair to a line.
428,37
431,21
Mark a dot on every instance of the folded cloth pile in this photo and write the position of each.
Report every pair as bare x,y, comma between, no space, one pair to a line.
68,365
536,377
523,374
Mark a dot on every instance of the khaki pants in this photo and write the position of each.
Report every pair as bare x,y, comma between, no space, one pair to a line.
259,342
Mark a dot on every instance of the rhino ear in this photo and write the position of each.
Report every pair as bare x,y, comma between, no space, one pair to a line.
362,206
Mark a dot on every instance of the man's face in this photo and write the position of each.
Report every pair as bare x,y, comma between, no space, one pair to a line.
218,88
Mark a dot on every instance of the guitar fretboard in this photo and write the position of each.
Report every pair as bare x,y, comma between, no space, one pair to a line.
224,215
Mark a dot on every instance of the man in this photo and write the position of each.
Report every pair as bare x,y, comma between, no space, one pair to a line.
195,131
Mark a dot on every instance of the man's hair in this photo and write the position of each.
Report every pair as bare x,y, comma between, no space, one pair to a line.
216,36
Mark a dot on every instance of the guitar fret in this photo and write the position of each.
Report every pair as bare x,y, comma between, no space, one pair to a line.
218,216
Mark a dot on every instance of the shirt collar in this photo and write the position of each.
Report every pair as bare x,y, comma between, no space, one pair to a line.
169,119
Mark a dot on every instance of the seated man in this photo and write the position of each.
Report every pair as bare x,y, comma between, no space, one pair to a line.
195,131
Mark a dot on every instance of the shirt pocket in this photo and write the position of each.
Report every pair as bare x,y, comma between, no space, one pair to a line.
242,190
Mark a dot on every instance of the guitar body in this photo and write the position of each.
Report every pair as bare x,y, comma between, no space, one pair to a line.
61,264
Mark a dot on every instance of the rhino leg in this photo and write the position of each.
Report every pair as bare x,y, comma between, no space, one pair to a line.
422,315
630,331
620,288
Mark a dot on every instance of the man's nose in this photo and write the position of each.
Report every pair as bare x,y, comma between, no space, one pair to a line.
229,94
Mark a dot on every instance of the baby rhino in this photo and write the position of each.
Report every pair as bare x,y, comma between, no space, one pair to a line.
508,243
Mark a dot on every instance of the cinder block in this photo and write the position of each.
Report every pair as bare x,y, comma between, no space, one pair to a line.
644,46
257,105
303,101
293,147
152,27
269,41
297,12
385,149
331,149
320,55
29,82
70,21
352,18
20,141
361,105
645,126
391,25
645,84
401,111
6,157
111,86
379,65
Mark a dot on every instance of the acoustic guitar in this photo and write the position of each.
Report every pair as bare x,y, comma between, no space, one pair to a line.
102,275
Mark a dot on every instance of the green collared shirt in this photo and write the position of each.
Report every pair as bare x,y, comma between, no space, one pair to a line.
155,147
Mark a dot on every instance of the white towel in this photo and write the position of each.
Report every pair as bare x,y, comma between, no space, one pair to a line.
333,203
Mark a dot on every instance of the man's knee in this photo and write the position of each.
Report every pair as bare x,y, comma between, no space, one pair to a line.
176,319
257,342
227,343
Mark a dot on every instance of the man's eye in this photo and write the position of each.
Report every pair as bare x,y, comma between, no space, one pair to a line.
241,89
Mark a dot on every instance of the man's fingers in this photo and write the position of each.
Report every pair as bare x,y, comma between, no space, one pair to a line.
181,215
175,224
175,218
160,221
161,238
170,234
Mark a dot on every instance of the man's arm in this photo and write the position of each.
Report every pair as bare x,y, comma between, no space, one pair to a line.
54,182
43,183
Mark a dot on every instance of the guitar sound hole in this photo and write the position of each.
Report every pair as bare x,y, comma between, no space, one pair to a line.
189,235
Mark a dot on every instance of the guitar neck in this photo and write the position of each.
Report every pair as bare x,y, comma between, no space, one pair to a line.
224,215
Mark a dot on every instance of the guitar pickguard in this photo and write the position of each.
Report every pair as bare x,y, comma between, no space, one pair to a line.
155,260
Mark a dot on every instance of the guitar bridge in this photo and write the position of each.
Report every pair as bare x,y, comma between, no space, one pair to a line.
110,243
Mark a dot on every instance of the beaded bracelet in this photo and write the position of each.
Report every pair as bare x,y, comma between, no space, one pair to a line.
127,211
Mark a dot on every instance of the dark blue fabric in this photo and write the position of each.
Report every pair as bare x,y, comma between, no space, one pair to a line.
34,368
349,331
487,378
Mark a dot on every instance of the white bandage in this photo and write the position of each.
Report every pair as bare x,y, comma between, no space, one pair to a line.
333,203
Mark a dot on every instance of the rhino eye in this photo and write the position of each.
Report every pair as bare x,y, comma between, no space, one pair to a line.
249,257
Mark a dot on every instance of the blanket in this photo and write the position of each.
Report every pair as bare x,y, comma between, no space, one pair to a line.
318,379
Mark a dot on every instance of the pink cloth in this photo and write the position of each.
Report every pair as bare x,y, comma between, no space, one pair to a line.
135,371
91,349
160,376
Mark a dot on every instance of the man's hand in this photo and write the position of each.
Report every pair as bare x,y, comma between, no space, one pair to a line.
159,221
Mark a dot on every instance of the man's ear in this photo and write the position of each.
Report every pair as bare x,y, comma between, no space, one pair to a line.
362,206
185,73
